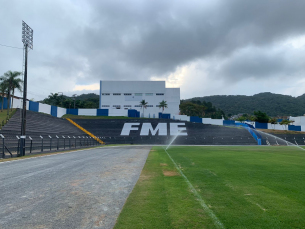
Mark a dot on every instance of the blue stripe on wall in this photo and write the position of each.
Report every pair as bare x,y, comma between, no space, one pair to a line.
4,103
228,122
33,106
54,111
72,111
259,125
295,128
195,119
102,112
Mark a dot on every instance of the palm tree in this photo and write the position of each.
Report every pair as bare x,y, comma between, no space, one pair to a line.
143,103
163,105
10,77
16,85
3,88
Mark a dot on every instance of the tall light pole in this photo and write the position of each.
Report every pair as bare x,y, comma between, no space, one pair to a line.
27,40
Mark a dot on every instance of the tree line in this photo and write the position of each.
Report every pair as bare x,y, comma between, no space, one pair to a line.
200,109
272,104
90,100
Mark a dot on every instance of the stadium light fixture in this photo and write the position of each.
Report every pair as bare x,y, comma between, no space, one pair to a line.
27,40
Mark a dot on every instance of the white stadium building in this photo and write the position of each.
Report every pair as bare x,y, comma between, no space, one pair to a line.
120,96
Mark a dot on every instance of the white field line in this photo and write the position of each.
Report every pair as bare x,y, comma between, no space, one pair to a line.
205,207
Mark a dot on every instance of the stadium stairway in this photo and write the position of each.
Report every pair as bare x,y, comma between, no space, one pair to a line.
197,133
46,126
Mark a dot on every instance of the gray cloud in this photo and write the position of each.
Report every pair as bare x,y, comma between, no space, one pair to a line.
81,42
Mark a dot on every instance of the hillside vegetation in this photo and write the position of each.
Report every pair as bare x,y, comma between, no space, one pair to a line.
272,104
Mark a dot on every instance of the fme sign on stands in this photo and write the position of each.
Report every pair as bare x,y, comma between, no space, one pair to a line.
161,129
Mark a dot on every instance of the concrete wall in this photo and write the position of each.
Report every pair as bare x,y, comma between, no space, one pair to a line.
44,108
182,117
88,112
61,112
118,112
17,103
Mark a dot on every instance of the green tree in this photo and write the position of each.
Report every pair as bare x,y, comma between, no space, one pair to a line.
163,105
241,119
53,99
16,84
192,109
11,79
143,103
286,122
261,117
252,118
273,121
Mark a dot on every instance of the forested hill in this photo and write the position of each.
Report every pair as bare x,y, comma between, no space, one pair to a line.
272,104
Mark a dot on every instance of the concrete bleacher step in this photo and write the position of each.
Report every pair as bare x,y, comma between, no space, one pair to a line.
198,134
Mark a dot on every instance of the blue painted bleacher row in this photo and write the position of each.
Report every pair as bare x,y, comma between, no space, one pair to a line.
110,131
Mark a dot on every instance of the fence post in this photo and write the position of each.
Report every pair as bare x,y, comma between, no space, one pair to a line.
18,147
50,143
2,145
57,142
80,141
64,141
41,143
74,141
31,144
69,142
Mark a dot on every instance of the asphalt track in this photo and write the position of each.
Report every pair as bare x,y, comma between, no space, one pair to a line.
80,189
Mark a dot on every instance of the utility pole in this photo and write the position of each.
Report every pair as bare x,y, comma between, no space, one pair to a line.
74,99
27,39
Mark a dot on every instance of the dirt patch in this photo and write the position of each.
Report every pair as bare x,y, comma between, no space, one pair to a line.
152,150
163,164
144,177
170,173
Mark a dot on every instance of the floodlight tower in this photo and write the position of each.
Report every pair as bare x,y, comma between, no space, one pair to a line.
27,40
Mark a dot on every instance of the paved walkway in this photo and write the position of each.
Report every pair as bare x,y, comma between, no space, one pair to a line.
81,189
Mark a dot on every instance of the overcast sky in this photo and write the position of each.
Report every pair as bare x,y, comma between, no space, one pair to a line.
216,47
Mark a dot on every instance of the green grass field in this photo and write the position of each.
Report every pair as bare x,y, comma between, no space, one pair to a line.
244,187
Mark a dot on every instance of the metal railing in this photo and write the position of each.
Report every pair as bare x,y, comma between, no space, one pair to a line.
10,145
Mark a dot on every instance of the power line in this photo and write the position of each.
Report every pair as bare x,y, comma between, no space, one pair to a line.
10,46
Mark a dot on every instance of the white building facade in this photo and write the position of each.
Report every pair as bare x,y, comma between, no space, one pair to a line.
119,96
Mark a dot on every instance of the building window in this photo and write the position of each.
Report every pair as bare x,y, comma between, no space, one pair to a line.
138,94
116,93
105,106
127,94
116,105
157,106
137,106
159,93
149,105
127,105
149,94
105,93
